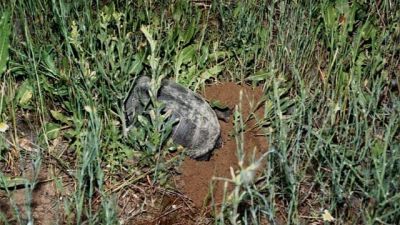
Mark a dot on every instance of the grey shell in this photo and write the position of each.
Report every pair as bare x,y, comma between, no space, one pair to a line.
198,128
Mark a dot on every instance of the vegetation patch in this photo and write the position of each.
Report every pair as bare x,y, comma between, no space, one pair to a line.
325,75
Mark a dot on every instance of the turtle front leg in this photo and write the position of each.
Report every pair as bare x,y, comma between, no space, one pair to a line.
223,114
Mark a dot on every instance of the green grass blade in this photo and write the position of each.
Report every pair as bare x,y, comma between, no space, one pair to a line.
5,30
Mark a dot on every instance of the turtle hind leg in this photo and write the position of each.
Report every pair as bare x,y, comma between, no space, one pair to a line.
218,143
205,157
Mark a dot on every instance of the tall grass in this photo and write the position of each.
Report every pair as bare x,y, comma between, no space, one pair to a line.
329,70
324,79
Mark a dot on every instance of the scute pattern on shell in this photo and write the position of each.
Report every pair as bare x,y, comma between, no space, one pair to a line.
198,128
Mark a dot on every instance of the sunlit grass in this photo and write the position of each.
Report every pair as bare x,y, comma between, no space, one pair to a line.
329,72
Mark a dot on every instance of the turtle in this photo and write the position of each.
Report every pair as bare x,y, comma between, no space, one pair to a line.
197,129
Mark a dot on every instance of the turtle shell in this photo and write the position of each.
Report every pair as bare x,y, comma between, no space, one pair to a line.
197,128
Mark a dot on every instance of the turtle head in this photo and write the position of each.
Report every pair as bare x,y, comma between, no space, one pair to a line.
137,99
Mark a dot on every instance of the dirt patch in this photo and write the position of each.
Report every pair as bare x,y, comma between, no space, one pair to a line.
197,176
144,204
45,204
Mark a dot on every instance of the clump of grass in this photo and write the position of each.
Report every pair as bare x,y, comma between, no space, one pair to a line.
323,107
329,72
245,203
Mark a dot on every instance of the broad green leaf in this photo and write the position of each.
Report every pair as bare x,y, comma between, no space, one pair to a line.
342,6
212,72
187,35
216,104
149,38
177,14
330,18
26,97
136,66
360,63
378,149
60,117
143,121
203,56
368,31
52,130
215,70
5,30
186,55
219,55
49,62
260,75
24,94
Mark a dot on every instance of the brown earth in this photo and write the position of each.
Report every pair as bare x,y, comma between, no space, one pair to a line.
197,177
143,203
52,188
46,203
189,204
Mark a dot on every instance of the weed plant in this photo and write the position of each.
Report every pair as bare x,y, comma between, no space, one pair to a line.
329,71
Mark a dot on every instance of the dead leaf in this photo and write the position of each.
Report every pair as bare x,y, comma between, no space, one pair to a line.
3,127
326,216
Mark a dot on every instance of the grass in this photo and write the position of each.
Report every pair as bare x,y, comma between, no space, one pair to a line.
329,70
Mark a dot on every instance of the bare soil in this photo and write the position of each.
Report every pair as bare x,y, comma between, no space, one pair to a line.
45,202
196,177
190,202
141,203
